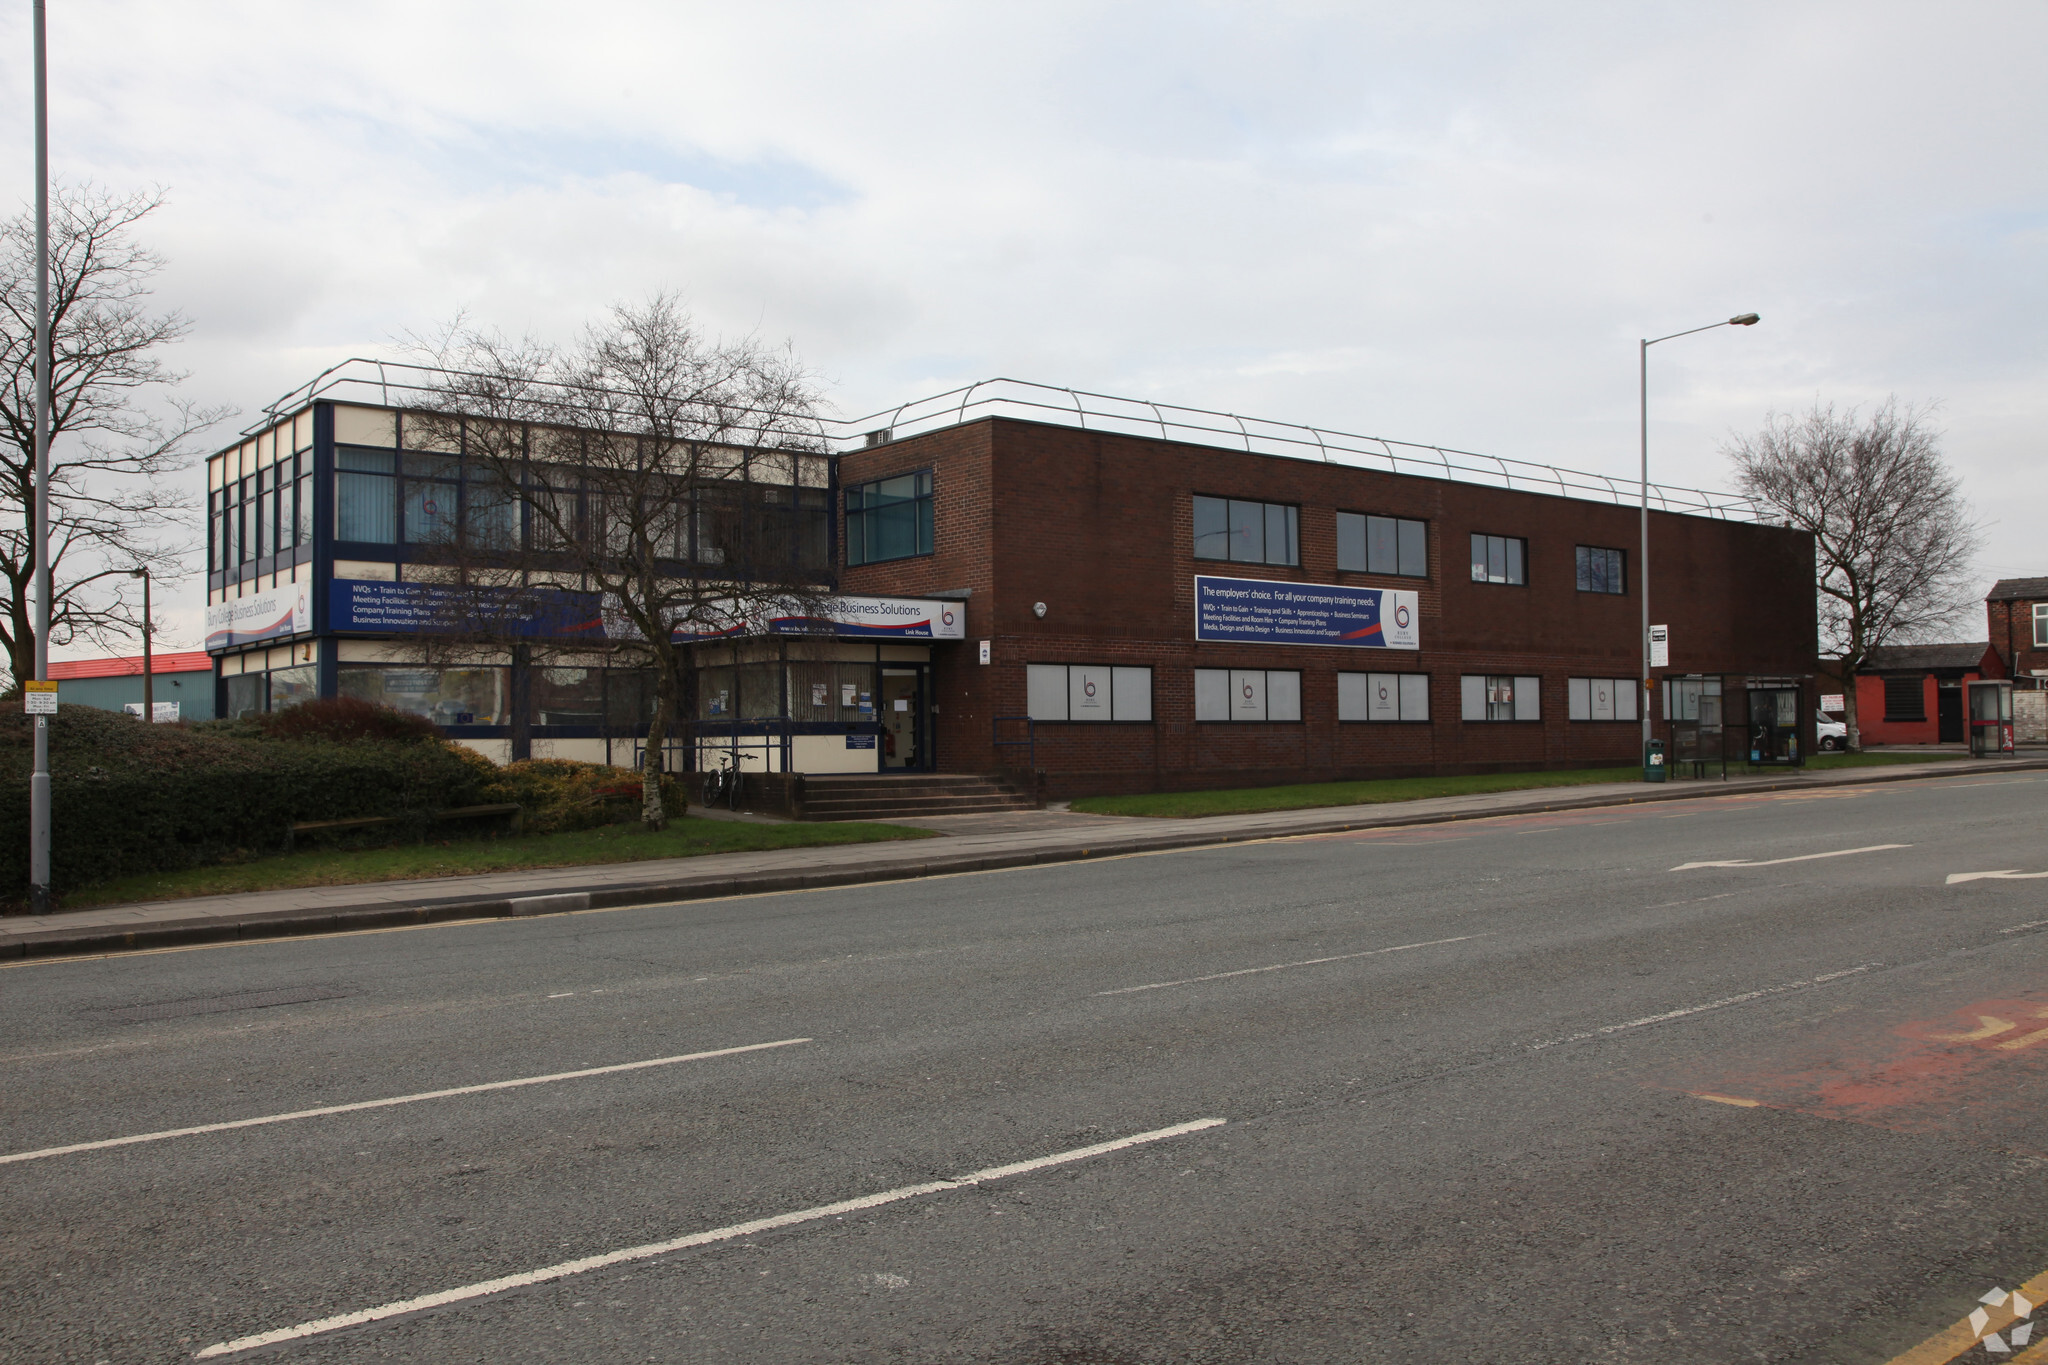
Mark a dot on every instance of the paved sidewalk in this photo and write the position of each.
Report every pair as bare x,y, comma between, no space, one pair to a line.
968,844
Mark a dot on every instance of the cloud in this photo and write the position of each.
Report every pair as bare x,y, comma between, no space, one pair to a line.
1445,225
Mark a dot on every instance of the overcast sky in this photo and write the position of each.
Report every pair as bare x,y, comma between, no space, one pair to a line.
1442,223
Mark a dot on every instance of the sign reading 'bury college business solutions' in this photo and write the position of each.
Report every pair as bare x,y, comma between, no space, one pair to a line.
1257,611
265,616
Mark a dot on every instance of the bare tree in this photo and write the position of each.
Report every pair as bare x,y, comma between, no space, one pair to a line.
113,504
1893,536
638,456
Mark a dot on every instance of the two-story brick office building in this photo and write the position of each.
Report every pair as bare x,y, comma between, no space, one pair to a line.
1167,611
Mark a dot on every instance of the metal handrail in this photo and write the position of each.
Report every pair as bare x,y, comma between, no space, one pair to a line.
1066,406
1029,743
392,383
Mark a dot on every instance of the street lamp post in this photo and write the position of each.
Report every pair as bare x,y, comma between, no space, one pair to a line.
148,669
1643,556
39,778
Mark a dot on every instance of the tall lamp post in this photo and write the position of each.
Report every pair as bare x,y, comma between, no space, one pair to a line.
1643,557
39,778
148,669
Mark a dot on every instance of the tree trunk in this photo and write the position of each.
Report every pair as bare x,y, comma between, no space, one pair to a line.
1853,740
653,815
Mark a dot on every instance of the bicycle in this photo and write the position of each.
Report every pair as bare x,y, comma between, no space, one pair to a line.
719,782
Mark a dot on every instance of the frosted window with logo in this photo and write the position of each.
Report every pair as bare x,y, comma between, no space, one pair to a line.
1247,694
1601,698
1088,693
1383,696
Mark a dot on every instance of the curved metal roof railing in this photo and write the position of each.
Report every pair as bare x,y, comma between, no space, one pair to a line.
400,384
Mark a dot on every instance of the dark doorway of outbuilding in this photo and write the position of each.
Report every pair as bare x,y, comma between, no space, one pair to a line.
1948,707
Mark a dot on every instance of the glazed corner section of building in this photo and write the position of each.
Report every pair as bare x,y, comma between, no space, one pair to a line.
1013,590
321,582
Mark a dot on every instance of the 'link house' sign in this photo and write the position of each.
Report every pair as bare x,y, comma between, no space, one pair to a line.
1257,611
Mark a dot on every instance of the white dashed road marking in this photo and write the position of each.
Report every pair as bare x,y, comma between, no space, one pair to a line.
360,1105
564,1269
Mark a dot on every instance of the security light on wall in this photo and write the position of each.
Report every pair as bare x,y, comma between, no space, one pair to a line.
1038,610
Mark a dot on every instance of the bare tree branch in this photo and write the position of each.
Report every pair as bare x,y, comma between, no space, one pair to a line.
117,435
640,464
1892,533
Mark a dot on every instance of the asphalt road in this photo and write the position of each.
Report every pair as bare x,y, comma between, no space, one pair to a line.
1509,1090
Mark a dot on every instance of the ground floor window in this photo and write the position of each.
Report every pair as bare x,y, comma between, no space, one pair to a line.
1493,697
592,698
251,694
1085,692
1601,698
1383,696
446,696
1247,694
1905,699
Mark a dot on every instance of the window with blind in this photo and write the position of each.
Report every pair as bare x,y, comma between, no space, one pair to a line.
1905,699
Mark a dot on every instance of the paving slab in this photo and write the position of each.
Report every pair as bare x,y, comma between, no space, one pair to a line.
998,840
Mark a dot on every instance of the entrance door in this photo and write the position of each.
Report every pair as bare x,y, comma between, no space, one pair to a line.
906,743
1948,711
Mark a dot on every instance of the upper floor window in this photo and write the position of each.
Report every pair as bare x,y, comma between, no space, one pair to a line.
889,518
1393,545
1602,570
1247,532
2041,625
1498,559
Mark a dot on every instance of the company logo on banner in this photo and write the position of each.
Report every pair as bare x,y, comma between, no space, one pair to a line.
1255,611
266,616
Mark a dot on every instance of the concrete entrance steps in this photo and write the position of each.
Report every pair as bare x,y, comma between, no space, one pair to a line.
864,797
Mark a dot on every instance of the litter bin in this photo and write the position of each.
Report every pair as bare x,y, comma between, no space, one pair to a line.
1653,761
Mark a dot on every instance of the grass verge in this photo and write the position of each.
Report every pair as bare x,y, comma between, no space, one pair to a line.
1248,800
460,857
1245,800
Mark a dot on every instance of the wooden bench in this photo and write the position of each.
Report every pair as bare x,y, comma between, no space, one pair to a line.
298,827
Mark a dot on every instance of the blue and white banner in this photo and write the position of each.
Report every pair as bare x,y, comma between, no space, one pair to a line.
265,616
1258,611
382,606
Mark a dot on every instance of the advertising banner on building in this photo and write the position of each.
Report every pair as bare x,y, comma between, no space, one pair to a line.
375,607
887,618
1257,611
846,618
265,616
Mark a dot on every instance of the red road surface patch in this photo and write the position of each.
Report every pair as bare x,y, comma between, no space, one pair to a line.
1978,1073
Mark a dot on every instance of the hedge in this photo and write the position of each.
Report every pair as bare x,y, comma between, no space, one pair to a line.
128,798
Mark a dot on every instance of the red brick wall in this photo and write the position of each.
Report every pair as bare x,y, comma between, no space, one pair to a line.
1099,527
2012,635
